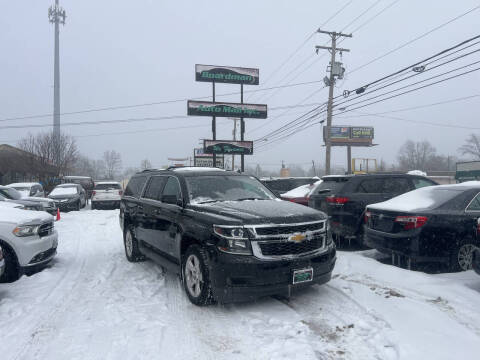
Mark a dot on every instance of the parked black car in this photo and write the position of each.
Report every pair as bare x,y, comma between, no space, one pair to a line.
433,224
227,235
281,185
12,195
86,181
69,197
344,198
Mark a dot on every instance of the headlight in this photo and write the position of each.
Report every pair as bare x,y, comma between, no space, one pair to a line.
329,234
26,230
234,240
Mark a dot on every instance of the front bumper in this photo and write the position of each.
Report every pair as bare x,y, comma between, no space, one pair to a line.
66,205
237,278
401,245
476,261
106,202
33,251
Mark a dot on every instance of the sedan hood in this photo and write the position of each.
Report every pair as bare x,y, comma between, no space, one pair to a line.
260,212
62,197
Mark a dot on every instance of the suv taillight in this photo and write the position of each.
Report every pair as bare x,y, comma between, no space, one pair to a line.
411,222
335,200
367,216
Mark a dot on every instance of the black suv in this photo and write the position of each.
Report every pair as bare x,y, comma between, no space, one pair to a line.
344,198
226,234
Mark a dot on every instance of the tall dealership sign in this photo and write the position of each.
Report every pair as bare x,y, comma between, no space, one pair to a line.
230,75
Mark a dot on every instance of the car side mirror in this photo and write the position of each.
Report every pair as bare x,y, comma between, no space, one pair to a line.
323,191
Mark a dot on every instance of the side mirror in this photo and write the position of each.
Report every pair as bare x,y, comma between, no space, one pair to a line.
323,191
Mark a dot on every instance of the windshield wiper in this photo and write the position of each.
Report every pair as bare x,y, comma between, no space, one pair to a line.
250,198
209,201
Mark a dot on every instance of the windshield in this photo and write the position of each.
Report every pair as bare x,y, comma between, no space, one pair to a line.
10,193
71,190
205,189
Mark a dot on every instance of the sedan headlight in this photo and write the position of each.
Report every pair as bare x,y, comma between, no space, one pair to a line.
26,230
233,240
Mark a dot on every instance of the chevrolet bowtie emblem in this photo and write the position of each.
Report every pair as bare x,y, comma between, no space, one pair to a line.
297,237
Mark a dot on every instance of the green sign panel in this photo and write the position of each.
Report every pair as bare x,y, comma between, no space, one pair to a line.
226,74
223,109
362,132
228,147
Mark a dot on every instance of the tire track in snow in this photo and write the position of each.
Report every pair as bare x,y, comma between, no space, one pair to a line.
345,328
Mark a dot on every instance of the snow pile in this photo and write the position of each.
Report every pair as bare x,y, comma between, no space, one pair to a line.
301,191
417,172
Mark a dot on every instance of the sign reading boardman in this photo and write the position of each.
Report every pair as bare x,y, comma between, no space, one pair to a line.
226,74
223,109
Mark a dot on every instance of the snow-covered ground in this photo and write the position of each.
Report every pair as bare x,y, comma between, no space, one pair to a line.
92,304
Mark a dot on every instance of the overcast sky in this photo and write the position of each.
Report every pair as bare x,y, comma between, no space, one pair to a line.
122,52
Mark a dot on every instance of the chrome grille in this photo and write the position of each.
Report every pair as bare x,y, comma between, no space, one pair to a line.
279,248
289,229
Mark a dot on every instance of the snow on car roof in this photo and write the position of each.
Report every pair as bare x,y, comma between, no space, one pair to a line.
25,184
20,216
196,168
424,198
76,177
107,182
301,191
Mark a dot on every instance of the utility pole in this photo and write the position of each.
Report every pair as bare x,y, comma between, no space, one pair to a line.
335,71
56,15
234,139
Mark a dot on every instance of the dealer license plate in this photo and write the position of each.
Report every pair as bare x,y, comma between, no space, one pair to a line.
301,276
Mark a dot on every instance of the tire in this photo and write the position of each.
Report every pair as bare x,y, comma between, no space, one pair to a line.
79,205
92,206
461,256
12,270
196,276
131,247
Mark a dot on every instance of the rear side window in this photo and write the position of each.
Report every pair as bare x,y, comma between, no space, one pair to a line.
396,185
333,186
474,204
135,186
155,187
370,186
172,188
419,183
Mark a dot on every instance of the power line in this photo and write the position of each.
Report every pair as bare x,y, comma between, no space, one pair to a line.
408,77
121,107
411,66
416,39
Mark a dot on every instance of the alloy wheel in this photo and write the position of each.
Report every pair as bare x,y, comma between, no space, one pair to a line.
193,276
465,256
129,244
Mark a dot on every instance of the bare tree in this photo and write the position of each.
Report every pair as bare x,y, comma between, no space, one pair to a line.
145,164
90,167
60,152
416,155
471,146
113,163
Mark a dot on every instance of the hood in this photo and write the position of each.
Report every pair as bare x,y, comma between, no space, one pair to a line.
65,196
18,216
260,212
37,199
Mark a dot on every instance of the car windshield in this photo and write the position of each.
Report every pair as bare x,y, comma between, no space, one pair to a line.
10,193
64,190
208,189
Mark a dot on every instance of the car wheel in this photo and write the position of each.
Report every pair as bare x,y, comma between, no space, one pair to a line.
131,247
196,276
92,206
12,271
79,205
461,256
